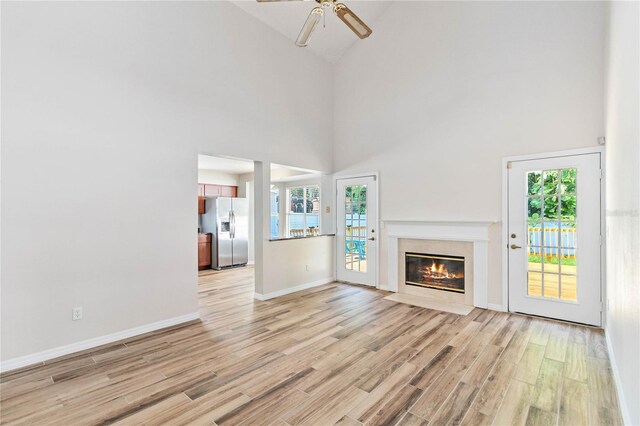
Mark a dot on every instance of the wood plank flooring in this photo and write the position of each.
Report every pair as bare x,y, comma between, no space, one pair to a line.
336,354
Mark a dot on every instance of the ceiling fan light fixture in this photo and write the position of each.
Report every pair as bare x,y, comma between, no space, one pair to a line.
307,29
352,21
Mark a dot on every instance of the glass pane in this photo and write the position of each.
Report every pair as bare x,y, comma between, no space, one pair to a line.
534,208
551,285
550,234
296,200
550,184
534,182
313,224
568,234
551,208
568,179
569,261
353,193
535,259
569,288
363,256
568,208
348,264
551,260
313,199
535,234
296,225
534,284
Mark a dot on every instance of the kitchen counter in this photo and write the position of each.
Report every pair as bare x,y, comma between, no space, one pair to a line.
302,238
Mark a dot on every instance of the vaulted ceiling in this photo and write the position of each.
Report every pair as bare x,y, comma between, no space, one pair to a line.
330,42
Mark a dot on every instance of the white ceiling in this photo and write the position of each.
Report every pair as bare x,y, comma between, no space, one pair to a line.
330,43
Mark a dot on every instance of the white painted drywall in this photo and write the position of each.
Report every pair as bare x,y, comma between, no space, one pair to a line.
288,260
129,93
446,89
623,201
217,178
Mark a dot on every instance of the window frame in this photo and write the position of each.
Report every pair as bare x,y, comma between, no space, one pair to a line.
304,213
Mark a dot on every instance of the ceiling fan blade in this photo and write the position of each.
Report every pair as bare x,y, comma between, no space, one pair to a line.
308,27
352,21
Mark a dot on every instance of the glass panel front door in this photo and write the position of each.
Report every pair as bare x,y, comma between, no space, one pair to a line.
356,233
554,235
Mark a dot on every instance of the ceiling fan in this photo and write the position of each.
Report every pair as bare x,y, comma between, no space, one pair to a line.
317,13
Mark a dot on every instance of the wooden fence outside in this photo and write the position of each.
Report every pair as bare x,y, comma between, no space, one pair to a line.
556,241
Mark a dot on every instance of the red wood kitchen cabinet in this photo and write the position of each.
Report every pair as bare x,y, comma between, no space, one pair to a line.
204,251
229,191
209,190
212,190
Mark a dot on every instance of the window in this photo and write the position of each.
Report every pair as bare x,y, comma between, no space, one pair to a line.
275,209
303,214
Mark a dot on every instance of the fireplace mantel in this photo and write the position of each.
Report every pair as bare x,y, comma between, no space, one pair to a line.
474,232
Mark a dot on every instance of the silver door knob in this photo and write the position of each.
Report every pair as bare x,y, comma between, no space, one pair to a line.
371,239
513,247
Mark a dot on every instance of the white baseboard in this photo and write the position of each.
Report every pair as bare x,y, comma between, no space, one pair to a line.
622,402
496,307
290,290
39,357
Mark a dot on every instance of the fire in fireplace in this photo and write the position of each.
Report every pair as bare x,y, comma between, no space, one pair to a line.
435,271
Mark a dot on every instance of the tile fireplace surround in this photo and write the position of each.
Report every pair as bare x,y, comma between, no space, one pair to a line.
476,233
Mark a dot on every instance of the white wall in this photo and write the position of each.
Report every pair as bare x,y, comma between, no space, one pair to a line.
288,260
130,93
443,90
217,178
623,201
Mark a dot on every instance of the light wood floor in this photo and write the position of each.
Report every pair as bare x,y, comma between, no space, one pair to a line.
332,354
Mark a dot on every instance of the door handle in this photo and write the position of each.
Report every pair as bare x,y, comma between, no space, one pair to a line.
513,247
371,239
232,218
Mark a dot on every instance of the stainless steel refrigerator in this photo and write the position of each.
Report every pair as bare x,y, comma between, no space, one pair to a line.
228,220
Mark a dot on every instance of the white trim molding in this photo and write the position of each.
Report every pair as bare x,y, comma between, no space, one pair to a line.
622,401
496,307
49,354
285,291
474,232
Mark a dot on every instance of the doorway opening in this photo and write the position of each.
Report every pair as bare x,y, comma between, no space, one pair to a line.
225,212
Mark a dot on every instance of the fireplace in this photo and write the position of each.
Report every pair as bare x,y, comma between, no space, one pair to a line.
436,271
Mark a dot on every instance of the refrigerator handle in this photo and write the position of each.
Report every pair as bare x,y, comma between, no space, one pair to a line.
232,216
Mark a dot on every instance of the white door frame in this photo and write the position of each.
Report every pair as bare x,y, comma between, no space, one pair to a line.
505,219
376,206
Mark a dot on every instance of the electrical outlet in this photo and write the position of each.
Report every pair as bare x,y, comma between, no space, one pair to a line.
76,313
306,267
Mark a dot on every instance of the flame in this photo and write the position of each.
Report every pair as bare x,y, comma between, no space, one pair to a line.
438,271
